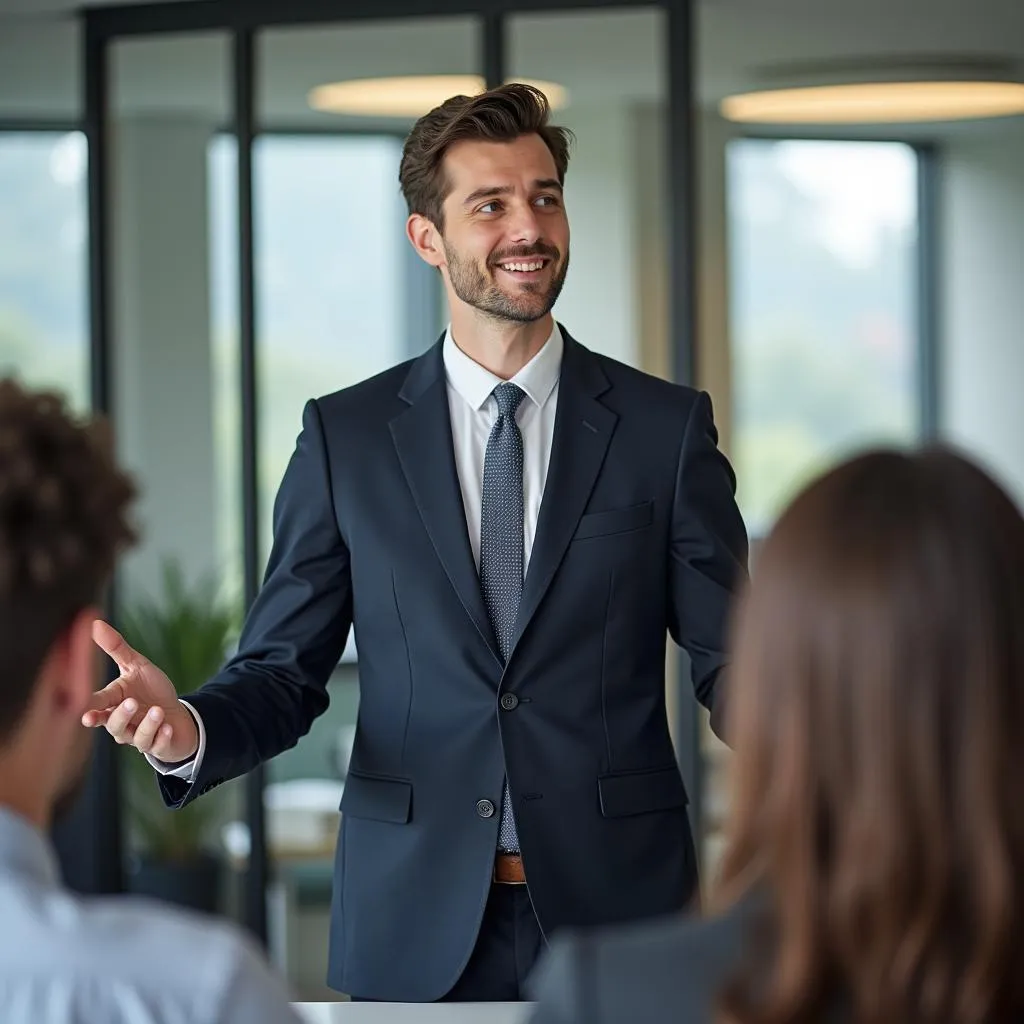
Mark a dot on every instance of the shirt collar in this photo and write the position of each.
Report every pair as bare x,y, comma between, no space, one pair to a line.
475,384
25,851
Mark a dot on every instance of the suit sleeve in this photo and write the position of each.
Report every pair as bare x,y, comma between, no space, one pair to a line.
562,985
267,696
708,555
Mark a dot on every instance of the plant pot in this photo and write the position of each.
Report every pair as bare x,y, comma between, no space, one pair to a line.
193,883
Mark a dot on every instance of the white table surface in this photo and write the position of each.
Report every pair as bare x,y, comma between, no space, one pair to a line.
414,1013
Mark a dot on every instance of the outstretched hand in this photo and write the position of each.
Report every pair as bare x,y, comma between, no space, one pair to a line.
141,706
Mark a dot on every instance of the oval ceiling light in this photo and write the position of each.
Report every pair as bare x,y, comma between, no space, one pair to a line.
877,103
409,95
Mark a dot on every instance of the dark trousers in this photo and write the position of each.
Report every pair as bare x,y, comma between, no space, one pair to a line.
507,948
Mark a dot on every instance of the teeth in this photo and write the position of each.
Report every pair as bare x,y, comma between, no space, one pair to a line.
523,267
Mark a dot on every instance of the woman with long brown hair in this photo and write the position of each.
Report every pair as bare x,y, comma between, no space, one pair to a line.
874,863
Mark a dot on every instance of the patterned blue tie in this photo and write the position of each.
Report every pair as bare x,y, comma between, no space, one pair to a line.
501,546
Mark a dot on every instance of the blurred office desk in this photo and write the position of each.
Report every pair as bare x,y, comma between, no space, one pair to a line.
302,819
414,1013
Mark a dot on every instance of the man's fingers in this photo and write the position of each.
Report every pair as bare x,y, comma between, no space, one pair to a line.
146,730
113,644
151,736
121,723
161,748
108,698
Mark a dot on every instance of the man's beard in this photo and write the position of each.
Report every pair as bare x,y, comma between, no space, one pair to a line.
474,287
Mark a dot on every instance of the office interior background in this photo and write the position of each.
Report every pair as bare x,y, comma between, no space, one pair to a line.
189,243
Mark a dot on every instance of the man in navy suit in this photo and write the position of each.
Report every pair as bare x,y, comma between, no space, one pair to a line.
513,524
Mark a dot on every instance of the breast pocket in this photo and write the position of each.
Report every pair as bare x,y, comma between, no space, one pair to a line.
616,520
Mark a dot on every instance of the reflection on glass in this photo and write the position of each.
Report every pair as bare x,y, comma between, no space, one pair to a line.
330,253
43,303
823,239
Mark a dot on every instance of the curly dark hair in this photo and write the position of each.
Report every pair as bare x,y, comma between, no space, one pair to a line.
64,508
498,115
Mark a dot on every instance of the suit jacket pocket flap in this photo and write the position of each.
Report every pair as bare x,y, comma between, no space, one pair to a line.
616,520
377,798
628,793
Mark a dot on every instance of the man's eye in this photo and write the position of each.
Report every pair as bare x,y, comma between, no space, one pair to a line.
486,208
547,200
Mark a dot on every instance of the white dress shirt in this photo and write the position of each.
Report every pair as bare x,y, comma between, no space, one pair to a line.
65,959
473,410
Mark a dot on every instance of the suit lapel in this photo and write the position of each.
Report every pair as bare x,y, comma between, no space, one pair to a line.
422,435
583,430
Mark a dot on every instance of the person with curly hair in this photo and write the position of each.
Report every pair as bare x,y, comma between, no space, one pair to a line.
64,518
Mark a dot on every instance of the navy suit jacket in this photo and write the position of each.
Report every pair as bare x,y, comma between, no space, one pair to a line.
638,536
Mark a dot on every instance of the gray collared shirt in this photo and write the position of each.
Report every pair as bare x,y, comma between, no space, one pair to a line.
65,959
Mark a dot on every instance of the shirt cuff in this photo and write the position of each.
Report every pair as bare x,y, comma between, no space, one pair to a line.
187,770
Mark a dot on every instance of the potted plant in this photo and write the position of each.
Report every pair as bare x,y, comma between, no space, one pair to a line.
187,632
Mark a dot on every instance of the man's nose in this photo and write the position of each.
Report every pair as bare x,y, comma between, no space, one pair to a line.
524,227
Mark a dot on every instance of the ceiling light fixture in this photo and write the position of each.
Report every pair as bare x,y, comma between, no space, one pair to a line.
881,92
409,95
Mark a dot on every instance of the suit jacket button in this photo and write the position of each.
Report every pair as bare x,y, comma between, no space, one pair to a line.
509,702
485,808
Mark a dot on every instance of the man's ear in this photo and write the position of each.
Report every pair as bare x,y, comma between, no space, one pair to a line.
425,239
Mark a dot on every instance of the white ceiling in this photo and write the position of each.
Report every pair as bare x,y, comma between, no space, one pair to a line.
598,55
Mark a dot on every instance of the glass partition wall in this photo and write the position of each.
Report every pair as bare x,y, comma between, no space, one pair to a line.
174,335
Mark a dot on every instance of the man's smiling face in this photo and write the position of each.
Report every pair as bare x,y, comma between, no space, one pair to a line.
506,234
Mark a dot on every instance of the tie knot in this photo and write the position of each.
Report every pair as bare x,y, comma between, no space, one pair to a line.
508,396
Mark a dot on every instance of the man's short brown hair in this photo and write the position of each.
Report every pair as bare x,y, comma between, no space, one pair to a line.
499,115
63,519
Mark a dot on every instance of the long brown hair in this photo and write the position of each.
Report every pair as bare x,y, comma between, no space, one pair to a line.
877,714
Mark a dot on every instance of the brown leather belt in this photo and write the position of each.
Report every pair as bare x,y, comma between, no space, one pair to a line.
508,869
